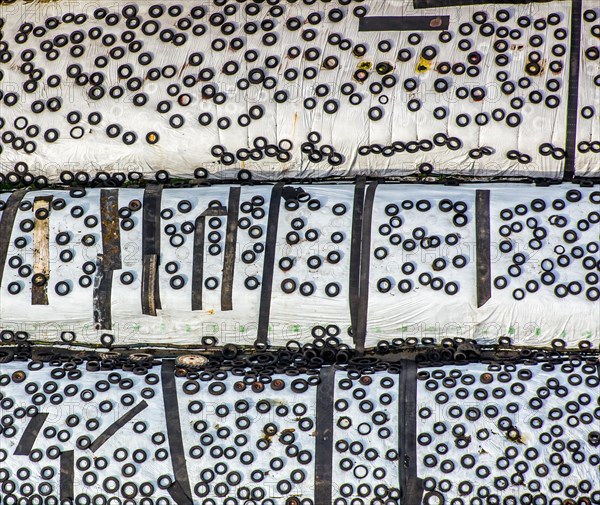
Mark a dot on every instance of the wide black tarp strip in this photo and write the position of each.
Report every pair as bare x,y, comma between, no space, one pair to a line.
198,263
324,437
67,474
7,221
103,296
483,245
355,248
233,208
178,495
181,492
268,264
117,425
410,484
151,249
30,434
573,96
360,333
402,23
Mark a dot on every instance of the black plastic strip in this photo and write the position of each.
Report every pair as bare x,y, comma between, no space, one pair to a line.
103,296
6,224
233,209
324,437
573,97
151,220
117,425
198,253
436,4
30,434
483,246
111,232
151,248
402,23
355,248
269,264
174,433
198,263
360,334
178,494
67,473
410,484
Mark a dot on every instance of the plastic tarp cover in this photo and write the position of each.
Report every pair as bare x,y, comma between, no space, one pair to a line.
494,424
435,241
492,114
210,423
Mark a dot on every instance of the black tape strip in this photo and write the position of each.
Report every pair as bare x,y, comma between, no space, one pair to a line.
151,248
67,473
402,23
198,263
324,437
117,425
436,4
360,334
233,209
355,248
6,224
483,245
30,434
269,264
573,97
111,232
176,448
103,296
410,484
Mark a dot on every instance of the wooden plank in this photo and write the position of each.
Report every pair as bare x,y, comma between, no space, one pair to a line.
403,23
41,249
111,232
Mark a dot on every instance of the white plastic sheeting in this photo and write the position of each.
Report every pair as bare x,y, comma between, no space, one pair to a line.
153,416
181,150
201,417
489,445
540,317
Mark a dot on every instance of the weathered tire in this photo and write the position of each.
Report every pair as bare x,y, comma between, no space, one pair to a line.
191,361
